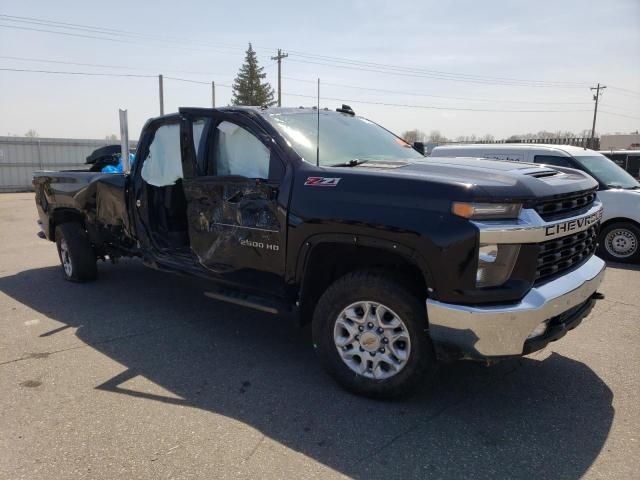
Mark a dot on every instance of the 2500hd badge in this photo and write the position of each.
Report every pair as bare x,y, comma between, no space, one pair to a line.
571,225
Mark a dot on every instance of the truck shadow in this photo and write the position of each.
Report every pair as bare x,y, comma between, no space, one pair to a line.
624,266
520,419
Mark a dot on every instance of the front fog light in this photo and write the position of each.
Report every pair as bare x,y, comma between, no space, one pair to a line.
495,264
539,330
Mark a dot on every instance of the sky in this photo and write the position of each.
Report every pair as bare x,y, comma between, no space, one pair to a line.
460,67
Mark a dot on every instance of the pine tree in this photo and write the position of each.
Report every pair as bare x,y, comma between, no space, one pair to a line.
248,87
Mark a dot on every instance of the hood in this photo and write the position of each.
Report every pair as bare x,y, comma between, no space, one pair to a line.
489,179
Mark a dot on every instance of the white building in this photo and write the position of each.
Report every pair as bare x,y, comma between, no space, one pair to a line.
620,142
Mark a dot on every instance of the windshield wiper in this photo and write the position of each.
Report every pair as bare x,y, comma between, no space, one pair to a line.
351,163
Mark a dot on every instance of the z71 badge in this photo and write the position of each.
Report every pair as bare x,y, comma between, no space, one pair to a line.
322,182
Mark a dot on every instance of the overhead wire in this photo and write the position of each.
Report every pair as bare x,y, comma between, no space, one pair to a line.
339,99
398,92
338,62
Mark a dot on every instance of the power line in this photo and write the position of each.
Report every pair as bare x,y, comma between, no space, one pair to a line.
351,100
188,80
119,40
625,94
632,92
337,62
619,114
434,72
102,31
341,85
432,107
99,65
90,74
398,92
431,76
618,107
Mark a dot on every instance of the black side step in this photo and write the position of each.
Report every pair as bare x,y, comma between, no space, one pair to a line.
247,300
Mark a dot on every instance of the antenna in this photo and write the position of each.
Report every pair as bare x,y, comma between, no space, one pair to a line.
318,129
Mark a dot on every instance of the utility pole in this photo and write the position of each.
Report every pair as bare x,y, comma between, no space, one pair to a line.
213,94
279,58
595,112
161,95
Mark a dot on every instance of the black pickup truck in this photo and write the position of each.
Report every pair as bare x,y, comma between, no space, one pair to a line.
397,260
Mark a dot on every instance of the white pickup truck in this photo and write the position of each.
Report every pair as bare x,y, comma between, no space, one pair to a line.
618,191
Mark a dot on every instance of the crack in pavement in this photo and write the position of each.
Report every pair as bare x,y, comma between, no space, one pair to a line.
254,449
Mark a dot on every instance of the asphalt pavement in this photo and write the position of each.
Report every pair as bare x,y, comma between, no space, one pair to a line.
138,375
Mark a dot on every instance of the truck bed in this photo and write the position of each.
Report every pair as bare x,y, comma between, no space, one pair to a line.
99,198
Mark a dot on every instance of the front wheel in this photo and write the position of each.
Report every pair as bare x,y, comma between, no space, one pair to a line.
371,335
620,242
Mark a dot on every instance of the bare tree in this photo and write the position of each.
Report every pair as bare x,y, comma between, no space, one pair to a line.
436,137
412,136
32,133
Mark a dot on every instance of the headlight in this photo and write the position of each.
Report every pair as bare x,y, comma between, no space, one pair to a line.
486,211
495,264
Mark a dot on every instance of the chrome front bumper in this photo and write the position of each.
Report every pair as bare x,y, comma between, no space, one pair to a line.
497,331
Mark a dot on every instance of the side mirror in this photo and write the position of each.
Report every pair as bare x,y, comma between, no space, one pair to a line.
419,147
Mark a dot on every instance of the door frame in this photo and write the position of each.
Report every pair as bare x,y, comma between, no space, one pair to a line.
280,174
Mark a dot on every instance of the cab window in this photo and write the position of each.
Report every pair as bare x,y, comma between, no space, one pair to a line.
239,152
163,163
553,160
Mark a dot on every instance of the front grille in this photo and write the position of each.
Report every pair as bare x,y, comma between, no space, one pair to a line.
565,205
561,254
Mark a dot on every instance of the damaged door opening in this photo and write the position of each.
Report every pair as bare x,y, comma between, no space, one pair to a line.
163,193
235,226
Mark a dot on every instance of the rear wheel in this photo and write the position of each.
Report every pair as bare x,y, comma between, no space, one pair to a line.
620,242
371,335
76,254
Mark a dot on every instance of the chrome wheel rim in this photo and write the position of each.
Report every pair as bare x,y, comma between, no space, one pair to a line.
65,258
372,340
621,243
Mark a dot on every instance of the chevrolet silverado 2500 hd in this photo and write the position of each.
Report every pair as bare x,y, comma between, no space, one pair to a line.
398,261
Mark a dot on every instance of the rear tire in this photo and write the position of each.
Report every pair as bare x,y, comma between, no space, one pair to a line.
371,335
76,254
620,242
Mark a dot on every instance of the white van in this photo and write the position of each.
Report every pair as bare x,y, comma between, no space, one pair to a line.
619,192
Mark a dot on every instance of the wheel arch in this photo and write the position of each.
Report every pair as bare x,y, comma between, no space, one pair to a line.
611,221
64,215
326,257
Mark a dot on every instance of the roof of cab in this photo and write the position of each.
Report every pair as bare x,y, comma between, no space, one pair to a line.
276,110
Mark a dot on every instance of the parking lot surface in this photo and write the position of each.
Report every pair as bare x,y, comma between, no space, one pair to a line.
139,375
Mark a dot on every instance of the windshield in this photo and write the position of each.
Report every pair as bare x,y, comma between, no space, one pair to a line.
343,138
607,172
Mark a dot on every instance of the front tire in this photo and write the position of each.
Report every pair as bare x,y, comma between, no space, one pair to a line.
371,335
620,242
77,256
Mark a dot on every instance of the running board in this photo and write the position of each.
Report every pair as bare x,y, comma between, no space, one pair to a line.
246,300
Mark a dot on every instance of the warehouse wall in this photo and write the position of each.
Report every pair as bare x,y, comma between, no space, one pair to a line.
21,156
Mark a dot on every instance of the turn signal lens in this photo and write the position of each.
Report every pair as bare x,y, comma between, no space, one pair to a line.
486,211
